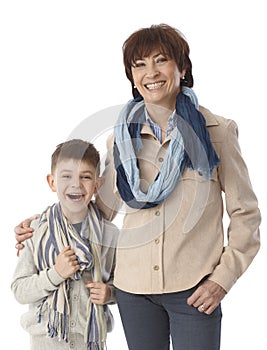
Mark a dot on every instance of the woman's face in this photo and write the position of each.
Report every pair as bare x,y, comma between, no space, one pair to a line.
157,79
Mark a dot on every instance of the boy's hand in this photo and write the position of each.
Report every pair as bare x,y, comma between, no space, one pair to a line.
100,292
66,263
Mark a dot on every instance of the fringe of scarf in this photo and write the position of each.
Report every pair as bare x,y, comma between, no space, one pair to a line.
190,146
55,233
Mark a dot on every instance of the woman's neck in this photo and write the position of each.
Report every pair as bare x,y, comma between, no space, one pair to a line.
159,115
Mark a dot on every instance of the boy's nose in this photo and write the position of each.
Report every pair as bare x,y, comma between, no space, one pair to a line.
76,182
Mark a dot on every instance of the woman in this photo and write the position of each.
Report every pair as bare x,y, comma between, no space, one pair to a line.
169,161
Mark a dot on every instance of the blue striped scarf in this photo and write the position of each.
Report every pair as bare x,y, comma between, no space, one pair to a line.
55,233
190,146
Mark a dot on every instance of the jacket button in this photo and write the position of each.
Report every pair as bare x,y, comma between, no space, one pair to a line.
156,267
157,213
161,159
157,241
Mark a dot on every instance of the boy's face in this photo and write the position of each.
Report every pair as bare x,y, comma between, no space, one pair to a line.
75,182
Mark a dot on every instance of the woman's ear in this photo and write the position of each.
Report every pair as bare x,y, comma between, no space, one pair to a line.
99,182
51,182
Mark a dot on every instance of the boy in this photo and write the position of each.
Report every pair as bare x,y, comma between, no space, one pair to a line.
65,272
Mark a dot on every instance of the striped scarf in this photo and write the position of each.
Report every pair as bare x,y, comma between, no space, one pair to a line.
55,233
190,146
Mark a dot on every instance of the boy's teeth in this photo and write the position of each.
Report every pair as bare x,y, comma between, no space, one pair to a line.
75,196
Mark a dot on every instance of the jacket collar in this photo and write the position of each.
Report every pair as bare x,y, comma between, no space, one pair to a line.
210,117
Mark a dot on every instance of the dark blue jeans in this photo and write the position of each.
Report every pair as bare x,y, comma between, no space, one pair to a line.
150,321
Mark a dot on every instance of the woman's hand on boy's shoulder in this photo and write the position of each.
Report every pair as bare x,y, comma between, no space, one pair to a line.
24,231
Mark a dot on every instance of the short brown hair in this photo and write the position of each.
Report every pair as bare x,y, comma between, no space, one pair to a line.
76,149
169,40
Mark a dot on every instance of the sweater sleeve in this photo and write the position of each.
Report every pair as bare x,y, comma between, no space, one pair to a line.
28,284
243,238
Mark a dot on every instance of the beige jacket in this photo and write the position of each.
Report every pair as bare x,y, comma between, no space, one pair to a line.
173,246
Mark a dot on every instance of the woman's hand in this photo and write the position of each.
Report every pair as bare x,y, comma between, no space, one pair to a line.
207,297
23,231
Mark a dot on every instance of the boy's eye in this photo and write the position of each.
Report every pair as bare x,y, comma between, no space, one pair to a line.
66,176
86,177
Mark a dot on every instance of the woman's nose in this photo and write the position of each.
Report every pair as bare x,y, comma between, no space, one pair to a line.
152,71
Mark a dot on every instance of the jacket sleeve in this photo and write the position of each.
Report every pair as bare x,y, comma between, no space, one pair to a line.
243,237
108,199
28,284
108,256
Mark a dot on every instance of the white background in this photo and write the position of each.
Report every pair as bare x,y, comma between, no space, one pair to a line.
61,62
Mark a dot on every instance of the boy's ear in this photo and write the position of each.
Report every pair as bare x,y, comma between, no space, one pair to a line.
51,182
99,182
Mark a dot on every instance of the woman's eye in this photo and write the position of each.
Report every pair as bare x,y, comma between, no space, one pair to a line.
161,59
138,64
